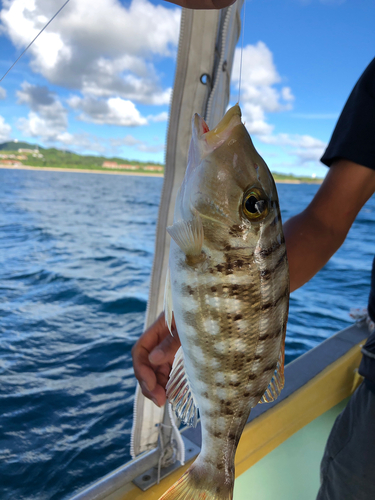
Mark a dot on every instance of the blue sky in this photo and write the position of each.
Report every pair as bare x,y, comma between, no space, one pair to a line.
99,79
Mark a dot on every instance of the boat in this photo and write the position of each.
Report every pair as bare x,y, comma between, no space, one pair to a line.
283,442
282,445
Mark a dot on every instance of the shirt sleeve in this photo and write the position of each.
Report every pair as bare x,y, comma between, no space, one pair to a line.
354,134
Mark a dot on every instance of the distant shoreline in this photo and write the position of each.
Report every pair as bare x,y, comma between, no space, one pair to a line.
79,170
140,174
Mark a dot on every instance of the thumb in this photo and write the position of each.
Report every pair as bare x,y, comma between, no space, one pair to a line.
165,351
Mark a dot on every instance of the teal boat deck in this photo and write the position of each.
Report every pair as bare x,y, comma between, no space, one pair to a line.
291,471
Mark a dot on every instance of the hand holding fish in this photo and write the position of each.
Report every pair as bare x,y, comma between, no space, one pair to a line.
153,355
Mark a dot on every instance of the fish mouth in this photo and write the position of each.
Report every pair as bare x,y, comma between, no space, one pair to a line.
219,134
231,119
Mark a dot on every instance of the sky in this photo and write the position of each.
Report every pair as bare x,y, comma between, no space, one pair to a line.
99,79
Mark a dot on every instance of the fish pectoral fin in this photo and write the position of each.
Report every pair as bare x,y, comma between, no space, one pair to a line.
168,304
277,382
188,235
179,392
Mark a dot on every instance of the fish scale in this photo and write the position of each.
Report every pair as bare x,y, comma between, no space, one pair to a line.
228,288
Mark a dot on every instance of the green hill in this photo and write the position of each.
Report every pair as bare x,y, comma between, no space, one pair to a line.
57,158
16,145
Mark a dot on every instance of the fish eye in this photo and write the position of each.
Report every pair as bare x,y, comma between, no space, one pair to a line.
254,205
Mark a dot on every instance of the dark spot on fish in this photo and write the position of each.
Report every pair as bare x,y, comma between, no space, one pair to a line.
267,251
270,367
213,289
234,384
229,264
237,317
228,403
248,359
239,263
267,273
232,436
205,395
219,466
252,376
190,319
190,290
218,489
246,394
239,364
219,384
220,268
235,230
258,356
228,411
227,248
277,333
263,337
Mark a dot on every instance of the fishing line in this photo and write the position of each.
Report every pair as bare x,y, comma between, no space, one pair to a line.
30,44
242,42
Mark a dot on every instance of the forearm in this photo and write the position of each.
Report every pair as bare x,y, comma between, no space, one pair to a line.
309,245
314,235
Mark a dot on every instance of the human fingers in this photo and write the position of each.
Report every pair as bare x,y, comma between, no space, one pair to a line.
164,352
152,371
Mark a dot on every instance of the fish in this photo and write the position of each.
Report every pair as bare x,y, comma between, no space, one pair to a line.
227,288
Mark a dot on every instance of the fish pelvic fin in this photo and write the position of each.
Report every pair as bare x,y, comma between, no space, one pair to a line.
197,484
179,392
277,382
189,236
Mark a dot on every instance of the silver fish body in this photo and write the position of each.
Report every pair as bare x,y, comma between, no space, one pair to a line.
229,291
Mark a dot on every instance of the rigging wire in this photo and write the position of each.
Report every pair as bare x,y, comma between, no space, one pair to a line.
243,33
30,44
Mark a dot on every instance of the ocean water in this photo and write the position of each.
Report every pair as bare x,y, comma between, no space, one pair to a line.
75,259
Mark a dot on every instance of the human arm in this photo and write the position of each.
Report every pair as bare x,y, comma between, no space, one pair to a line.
203,4
314,235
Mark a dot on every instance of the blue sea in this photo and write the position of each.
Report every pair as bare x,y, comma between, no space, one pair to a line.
76,254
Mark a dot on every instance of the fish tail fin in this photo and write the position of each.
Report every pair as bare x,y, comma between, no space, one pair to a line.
197,484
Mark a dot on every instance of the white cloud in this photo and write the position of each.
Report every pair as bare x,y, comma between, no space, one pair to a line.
259,94
5,130
139,145
113,111
104,49
3,93
305,147
47,119
161,117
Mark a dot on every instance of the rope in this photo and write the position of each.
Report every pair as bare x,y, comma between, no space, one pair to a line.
30,44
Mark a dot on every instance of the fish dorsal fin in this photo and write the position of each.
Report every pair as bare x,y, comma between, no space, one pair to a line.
179,392
188,235
277,382
168,305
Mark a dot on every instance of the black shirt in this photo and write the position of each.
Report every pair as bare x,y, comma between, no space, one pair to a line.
354,139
